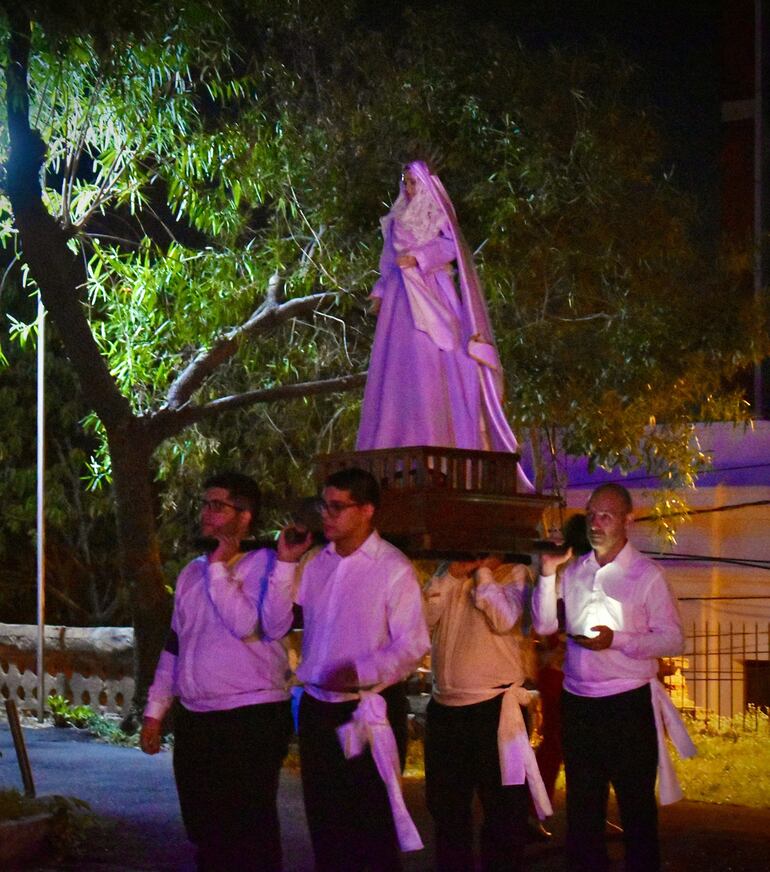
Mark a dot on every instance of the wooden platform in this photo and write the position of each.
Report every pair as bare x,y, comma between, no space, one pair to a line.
448,502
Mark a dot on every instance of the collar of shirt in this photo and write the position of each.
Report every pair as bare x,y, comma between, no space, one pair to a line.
624,559
370,548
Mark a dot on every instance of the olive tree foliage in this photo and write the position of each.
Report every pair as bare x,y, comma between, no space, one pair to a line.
157,208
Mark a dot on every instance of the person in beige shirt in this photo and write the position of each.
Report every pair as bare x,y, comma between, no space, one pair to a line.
474,614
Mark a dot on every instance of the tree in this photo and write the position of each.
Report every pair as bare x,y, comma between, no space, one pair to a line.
132,132
203,236
608,306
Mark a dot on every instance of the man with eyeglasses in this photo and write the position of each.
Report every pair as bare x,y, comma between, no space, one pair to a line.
364,631
226,665
620,616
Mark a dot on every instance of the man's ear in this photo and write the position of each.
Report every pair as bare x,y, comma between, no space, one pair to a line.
629,520
246,518
368,510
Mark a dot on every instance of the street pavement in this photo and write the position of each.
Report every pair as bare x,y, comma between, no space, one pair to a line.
135,796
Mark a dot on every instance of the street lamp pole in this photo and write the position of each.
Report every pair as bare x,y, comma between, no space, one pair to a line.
761,187
40,510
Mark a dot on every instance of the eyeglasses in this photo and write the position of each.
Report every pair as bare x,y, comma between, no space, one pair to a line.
218,506
334,509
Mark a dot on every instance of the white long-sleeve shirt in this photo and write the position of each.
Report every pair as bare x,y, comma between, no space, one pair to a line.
475,634
228,621
364,609
631,597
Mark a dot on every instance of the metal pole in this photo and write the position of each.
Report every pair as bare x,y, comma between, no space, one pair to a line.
40,510
761,187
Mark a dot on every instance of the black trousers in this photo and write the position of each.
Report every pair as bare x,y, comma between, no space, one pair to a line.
611,740
461,758
346,803
226,766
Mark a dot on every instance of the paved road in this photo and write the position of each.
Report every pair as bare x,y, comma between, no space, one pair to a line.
136,793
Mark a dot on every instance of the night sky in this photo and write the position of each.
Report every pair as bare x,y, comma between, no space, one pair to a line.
675,44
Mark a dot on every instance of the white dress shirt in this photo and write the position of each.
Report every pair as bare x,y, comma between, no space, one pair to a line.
229,620
475,634
364,609
631,597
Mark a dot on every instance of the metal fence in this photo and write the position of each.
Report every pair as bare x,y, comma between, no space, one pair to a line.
724,673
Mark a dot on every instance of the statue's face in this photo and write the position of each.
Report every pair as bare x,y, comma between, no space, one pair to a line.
410,184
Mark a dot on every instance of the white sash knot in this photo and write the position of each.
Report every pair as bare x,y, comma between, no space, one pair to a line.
370,727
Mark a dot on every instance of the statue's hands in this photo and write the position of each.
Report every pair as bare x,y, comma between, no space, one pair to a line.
405,261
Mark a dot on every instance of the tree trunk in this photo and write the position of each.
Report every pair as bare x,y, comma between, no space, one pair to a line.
131,452
61,278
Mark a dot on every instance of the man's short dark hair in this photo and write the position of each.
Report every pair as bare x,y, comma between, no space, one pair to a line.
619,491
362,485
243,490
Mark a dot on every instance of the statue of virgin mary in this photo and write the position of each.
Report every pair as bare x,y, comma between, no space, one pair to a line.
434,376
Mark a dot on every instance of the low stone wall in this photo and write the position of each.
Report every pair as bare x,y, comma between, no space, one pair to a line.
88,665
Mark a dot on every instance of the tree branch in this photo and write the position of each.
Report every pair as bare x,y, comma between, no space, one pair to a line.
603,316
168,422
268,315
68,601
73,162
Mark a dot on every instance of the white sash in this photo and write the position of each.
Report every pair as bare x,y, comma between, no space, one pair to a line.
668,722
370,726
517,759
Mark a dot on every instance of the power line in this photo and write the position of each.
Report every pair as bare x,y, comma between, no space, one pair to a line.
629,479
753,563
711,511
